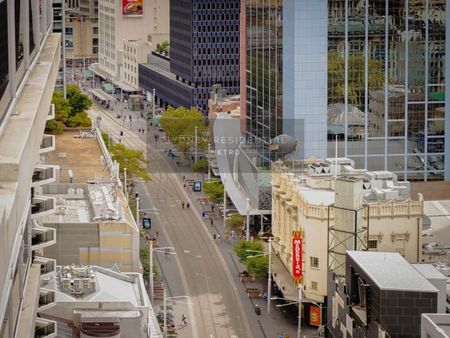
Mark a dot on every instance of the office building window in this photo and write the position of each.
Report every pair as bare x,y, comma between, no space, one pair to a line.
314,262
314,285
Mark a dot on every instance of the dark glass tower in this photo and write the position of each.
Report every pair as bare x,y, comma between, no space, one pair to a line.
204,50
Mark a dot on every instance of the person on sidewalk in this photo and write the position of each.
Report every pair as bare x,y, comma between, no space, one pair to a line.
182,205
183,320
187,205
211,222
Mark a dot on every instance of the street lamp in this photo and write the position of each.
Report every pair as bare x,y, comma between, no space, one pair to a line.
125,188
165,298
247,222
195,145
269,280
299,302
167,250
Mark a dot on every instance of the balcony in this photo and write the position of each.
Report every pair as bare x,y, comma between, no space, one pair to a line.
42,237
44,328
42,206
43,174
46,299
47,144
51,113
48,265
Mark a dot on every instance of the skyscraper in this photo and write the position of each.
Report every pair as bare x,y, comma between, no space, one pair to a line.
387,85
29,59
204,50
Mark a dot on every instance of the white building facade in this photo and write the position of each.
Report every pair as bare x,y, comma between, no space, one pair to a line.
115,27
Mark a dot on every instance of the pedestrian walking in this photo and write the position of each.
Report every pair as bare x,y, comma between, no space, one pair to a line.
183,319
212,207
157,233
211,221
187,205
214,236
182,205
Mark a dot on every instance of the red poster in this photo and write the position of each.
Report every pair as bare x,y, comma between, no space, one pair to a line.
314,315
297,257
132,7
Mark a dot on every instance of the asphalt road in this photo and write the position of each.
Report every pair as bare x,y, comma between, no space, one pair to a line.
217,309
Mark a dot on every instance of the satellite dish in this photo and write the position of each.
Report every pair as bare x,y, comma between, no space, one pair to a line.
284,144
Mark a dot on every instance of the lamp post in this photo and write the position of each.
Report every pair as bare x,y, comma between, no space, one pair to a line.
224,205
153,105
125,188
209,161
167,250
137,211
195,145
247,222
269,279
300,301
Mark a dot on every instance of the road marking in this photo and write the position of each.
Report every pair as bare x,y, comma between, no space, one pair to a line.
172,205
198,256
186,251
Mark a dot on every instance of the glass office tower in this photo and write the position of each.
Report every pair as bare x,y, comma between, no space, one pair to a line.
264,20
386,85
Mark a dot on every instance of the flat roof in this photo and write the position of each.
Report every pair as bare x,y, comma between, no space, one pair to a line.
108,289
317,196
81,155
390,271
429,271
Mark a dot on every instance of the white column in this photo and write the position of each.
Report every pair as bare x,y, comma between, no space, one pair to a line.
209,161
150,272
165,313
247,221
269,281
137,211
299,327
125,188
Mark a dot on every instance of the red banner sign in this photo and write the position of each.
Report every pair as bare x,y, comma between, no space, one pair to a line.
132,7
314,316
297,257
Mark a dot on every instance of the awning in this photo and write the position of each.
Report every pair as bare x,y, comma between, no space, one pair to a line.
88,74
283,279
108,87
226,136
101,94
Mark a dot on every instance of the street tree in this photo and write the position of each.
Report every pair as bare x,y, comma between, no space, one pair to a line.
242,249
257,266
214,191
200,166
77,100
131,159
179,125
235,222
146,264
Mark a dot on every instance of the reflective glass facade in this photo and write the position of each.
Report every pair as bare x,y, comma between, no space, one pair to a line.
386,84
264,20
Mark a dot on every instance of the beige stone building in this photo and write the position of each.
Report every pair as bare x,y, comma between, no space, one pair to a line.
150,25
303,198
81,40
134,53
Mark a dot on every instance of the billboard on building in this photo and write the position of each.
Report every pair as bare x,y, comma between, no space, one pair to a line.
297,257
133,7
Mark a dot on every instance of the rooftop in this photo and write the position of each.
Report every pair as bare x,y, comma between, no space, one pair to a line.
390,271
81,155
110,286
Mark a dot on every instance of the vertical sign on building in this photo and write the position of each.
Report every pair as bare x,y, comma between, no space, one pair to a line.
133,7
297,257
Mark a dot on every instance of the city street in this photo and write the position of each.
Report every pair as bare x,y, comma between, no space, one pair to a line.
217,307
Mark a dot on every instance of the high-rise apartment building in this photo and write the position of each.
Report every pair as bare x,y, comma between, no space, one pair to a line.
29,59
204,50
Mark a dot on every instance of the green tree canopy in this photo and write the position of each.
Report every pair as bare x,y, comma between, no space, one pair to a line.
146,264
214,190
77,100
242,247
200,166
62,106
131,159
179,125
257,266
235,222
